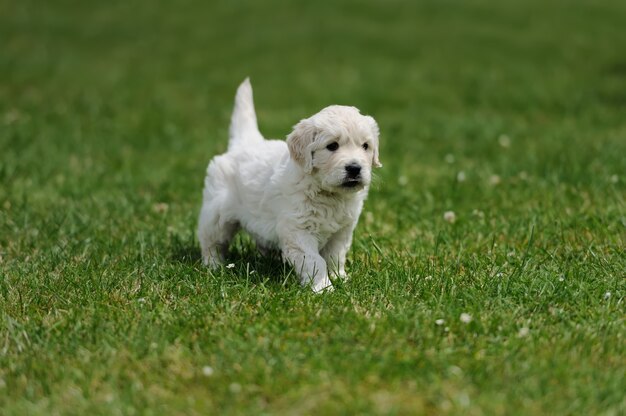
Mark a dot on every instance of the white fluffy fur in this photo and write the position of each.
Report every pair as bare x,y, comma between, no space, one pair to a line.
292,196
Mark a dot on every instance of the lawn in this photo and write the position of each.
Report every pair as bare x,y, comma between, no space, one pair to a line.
510,114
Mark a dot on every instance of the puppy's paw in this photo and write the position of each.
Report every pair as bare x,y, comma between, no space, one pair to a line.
341,275
323,285
212,262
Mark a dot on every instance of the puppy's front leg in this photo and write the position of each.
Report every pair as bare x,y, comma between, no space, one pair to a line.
334,252
301,251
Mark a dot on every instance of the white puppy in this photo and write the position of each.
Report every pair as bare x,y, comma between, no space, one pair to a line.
303,196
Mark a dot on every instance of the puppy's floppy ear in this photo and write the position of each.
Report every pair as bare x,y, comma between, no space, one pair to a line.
375,133
299,142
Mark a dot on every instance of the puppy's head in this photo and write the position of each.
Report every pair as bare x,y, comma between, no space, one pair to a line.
338,147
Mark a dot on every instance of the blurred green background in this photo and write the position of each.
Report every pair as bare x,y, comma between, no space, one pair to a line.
510,113
440,77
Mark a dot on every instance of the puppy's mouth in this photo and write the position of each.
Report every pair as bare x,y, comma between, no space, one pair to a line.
351,183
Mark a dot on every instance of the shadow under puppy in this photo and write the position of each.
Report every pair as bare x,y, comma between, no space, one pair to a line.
302,197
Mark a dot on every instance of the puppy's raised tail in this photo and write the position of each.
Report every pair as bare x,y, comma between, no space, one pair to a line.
243,125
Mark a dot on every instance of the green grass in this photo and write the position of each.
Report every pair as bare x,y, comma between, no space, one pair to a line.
110,111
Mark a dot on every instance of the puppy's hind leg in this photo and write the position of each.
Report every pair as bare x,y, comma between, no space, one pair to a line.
214,235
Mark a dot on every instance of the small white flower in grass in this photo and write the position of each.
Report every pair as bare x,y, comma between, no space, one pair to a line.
449,216
504,140
607,296
403,180
230,265
494,180
523,332
561,278
449,158
460,177
207,371
160,207
141,300
235,388
439,322
466,318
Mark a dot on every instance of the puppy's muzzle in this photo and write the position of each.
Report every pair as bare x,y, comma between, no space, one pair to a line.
353,175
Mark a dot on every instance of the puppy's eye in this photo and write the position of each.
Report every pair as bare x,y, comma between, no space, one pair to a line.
333,146
366,146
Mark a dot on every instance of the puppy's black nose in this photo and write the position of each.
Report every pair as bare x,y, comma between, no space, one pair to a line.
353,170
